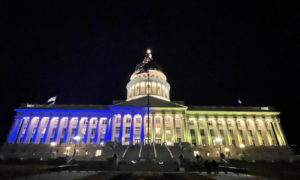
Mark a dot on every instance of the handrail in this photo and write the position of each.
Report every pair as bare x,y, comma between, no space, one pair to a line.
169,151
126,151
140,153
155,154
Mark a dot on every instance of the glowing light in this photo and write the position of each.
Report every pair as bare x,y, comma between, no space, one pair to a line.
68,148
226,149
218,139
242,145
52,144
161,162
76,138
148,51
133,162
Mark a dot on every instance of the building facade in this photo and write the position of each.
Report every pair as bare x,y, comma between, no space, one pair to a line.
205,130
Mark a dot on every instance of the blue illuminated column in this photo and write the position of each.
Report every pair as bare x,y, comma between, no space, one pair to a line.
111,128
15,130
68,129
59,123
77,129
37,129
121,129
143,128
96,139
25,137
132,129
106,138
87,131
47,130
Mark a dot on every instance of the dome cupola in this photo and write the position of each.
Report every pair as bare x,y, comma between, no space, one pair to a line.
157,86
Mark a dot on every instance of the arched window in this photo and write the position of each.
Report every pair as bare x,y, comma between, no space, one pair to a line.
158,90
137,90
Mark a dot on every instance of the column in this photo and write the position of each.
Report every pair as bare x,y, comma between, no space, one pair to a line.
96,139
207,131
184,128
59,124
277,133
164,128
25,137
198,131
228,132
77,129
237,131
47,130
37,130
87,131
67,129
132,129
257,132
121,129
268,133
107,134
281,133
153,127
188,129
111,127
217,124
174,128
16,129
143,128
248,132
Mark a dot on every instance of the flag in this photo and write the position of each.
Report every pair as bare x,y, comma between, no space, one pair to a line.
240,102
52,99
142,68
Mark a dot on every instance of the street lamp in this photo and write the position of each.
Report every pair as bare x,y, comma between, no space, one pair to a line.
227,152
242,146
52,144
76,138
68,148
219,140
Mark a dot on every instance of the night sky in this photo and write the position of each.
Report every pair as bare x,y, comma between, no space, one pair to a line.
212,53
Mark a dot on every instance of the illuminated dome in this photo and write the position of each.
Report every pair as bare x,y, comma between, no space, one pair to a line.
152,66
158,86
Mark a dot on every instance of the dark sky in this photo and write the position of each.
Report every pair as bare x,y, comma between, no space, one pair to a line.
212,53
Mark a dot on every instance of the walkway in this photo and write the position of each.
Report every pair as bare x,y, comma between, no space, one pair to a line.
233,176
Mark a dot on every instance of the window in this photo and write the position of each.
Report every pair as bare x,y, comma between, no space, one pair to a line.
91,141
117,131
270,132
75,121
138,120
178,140
212,133
200,122
222,132
93,131
253,142
202,132
148,89
36,121
243,141
220,123
157,130
210,123
128,120
229,123
192,132
224,142
233,142
241,133
33,130
146,130
63,131
147,120
73,131
94,121
103,131
137,130
157,120
24,130
207,153
177,120
204,142
83,130
98,153
260,132
127,130
137,90
126,140
178,131
53,131
116,139
45,122
61,140
250,131
30,141
194,142
263,142
56,121
118,120
101,141
231,132
104,121
65,121
191,122
168,130
168,141
26,121
239,123
167,120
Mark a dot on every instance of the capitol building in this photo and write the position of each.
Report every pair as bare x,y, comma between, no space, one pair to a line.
125,128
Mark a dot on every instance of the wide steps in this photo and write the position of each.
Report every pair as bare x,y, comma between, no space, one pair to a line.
132,153
162,153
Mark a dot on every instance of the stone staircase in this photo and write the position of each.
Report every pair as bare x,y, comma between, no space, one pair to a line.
132,153
162,153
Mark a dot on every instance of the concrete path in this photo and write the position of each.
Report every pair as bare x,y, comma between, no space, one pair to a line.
233,176
64,175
